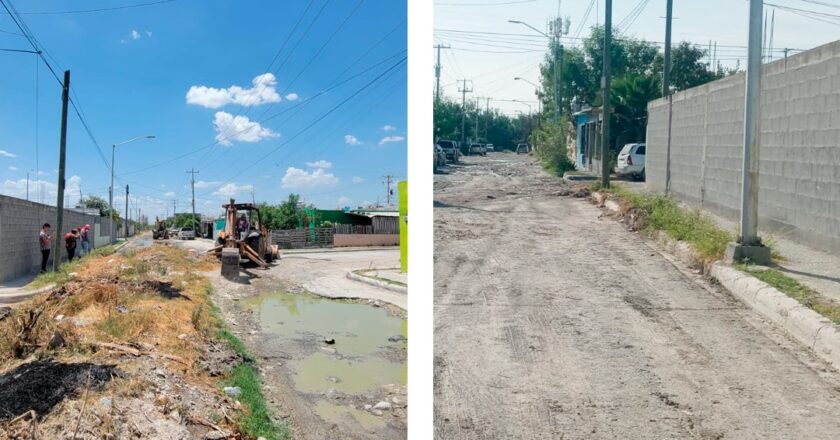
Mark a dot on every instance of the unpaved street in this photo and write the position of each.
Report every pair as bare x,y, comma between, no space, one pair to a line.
552,322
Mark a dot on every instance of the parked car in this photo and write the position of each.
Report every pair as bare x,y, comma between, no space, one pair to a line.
478,149
523,149
489,148
451,150
439,157
186,234
631,161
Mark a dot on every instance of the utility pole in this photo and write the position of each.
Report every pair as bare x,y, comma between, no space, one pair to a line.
486,120
477,111
666,90
126,211
173,209
464,90
606,84
193,172
749,244
437,71
389,179
62,158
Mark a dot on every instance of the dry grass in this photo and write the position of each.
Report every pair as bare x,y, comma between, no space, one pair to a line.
148,298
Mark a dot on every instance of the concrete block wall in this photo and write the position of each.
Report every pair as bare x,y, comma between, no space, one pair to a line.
20,223
799,178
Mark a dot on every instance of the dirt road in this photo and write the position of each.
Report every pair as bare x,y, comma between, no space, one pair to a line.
551,322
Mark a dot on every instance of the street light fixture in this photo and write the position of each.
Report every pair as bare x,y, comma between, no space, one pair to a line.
111,188
552,39
538,92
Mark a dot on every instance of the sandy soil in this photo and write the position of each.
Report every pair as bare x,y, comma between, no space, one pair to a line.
554,322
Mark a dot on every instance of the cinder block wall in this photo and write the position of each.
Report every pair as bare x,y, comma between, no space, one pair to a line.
20,223
799,179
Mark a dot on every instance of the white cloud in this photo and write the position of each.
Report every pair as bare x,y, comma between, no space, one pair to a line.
389,128
7,154
388,139
263,92
343,201
169,194
292,96
239,128
319,164
298,178
47,190
135,35
232,189
351,140
201,184
13,168
357,179
43,173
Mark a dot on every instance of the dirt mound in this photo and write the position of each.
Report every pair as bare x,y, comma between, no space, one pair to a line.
40,385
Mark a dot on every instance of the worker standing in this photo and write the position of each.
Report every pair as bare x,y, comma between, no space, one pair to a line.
84,238
70,239
45,237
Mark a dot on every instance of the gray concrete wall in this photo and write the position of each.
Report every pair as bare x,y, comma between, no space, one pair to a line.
20,223
799,183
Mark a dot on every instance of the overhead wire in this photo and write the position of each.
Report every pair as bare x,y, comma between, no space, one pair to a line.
318,119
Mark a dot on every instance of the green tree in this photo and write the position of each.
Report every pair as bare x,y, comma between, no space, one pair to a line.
286,215
550,141
630,95
688,68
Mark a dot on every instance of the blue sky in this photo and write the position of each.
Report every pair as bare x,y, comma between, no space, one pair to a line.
195,75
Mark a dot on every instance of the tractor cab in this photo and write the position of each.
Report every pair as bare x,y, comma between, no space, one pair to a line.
244,238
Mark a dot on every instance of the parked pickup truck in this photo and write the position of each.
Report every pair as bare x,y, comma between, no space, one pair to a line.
186,234
478,149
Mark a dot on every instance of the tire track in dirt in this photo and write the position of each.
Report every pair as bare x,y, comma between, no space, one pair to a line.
557,323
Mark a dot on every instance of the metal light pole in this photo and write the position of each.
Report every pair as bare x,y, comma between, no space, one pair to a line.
749,244
554,67
111,188
538,92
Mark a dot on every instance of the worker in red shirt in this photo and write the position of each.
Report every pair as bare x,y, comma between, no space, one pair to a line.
70,239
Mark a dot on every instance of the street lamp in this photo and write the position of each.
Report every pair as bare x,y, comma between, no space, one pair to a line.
111,188
538,92
553,39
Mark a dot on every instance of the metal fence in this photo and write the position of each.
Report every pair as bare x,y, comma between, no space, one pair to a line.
302,238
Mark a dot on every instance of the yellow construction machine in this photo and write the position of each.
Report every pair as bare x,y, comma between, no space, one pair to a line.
244,239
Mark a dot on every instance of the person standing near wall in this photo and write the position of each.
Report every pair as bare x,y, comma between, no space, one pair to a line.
70,239
45,238
84,238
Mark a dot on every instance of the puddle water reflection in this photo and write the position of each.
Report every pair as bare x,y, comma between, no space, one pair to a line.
356,362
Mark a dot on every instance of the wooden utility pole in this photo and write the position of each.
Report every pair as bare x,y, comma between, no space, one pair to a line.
193,172
62,157
437,71
606,84
126,211
464,90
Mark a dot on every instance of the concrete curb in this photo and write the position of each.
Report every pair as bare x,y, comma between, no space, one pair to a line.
377,283
23,295
328,250
805,325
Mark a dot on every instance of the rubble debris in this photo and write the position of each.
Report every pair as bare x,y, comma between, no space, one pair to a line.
5,312
329,341
40,385
233,391
56,340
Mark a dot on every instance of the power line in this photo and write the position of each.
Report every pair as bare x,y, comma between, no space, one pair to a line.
299,104
585,17
86,11
319,119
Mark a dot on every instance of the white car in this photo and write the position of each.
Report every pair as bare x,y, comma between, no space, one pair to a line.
478,149
490,148
631,161
186,234
523,149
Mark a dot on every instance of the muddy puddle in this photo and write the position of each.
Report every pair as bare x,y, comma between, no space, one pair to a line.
368,351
